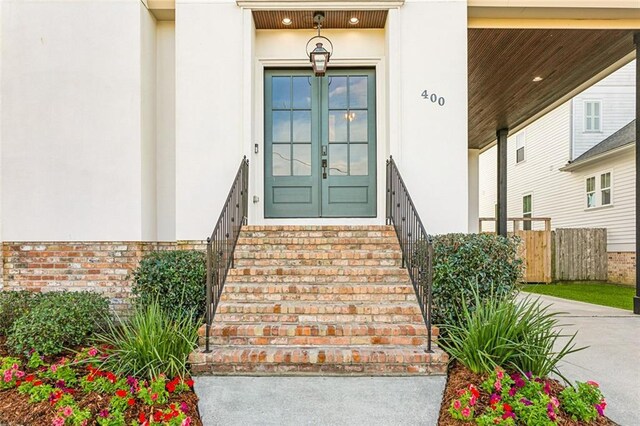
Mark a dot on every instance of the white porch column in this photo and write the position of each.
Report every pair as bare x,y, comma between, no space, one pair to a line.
473,156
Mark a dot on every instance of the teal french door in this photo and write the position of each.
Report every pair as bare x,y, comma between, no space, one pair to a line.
320,144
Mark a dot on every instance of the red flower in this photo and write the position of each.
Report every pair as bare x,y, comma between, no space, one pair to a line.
90,378
507,407
474,391
121,393
37,383
29,378
157,416
171,387
111,377
131,402
189,383
18,382
141,417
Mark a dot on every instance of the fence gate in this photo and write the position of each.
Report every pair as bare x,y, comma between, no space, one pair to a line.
535,246
581,254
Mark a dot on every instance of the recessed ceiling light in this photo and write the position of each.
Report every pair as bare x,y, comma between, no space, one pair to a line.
354,20
537,79
286,21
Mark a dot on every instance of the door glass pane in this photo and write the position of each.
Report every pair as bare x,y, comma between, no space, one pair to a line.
338,126
358,160
302,160
358,126
281,126
301,93
281,160
338,160
337,92
357,92
281,92
302,126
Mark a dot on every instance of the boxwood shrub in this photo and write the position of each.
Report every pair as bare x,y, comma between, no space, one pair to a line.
13,305
175,279
465,264
60,320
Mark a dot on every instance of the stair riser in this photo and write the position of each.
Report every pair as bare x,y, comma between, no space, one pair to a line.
360,298
319,279
320,318
250,263
317,289
313,254
252,369
321,234
316,341
296,247
312,309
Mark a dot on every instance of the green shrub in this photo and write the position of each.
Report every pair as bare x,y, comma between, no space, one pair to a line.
584,402
13,305
151,342
58,321
175,279
516,335
465,264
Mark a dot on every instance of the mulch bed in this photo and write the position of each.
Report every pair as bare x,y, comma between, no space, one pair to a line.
460,377
16,410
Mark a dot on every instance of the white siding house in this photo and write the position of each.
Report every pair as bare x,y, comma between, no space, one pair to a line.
577,195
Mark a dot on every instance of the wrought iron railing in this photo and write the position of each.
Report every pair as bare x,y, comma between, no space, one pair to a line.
416,244
222,242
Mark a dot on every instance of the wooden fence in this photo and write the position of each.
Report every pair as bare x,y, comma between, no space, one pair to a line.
580,254
535,247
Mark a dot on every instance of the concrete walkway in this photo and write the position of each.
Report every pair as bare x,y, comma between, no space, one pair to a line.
613,356
353,401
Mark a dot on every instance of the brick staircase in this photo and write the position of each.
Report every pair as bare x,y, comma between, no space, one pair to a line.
318,300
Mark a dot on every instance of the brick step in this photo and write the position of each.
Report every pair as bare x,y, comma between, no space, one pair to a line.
318,271
319,254
324,233
242,262
321,279
329,307
325,228
315,241
243,245
313,334
317,297
319,288
296,360
317,318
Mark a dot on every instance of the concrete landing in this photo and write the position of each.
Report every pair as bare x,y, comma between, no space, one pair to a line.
352,401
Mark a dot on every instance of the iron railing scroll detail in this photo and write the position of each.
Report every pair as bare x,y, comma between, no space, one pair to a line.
222,242
416,244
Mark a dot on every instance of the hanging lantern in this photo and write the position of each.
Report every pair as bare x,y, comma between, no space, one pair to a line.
319,57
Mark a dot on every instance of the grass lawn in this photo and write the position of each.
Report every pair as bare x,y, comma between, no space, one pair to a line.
614,295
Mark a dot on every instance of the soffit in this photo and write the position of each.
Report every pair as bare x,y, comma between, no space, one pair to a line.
303,19
503,62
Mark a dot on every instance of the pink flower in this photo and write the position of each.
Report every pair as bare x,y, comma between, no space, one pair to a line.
93,352
466,412
8,376
555,401
58,421
184,407
54,368
547,388
103,413
592,383
498,385
186,422
500,374
67,411
473,400
494,398
19,374
457,404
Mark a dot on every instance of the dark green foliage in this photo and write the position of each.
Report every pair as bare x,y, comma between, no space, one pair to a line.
466,263
59,320
13,305
175,279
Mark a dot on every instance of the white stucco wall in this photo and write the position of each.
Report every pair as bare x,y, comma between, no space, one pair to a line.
72,121
428,51
474,188
209,111
166,131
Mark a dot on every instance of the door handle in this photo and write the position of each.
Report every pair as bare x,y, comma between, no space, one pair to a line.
324,168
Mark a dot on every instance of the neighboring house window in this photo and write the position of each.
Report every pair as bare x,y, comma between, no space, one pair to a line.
599,190
605,188
592,116
591,191
527,210
520,147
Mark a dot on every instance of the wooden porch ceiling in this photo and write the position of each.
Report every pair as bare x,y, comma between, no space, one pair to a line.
303,19
503,63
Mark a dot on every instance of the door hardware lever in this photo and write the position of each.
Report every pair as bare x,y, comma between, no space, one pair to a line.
324,168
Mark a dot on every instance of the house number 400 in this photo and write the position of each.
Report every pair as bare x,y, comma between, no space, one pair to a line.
433,98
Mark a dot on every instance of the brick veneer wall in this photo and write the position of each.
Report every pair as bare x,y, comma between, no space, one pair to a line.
622,267
104,267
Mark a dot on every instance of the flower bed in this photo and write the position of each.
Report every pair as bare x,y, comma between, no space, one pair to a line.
514,399
74,390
